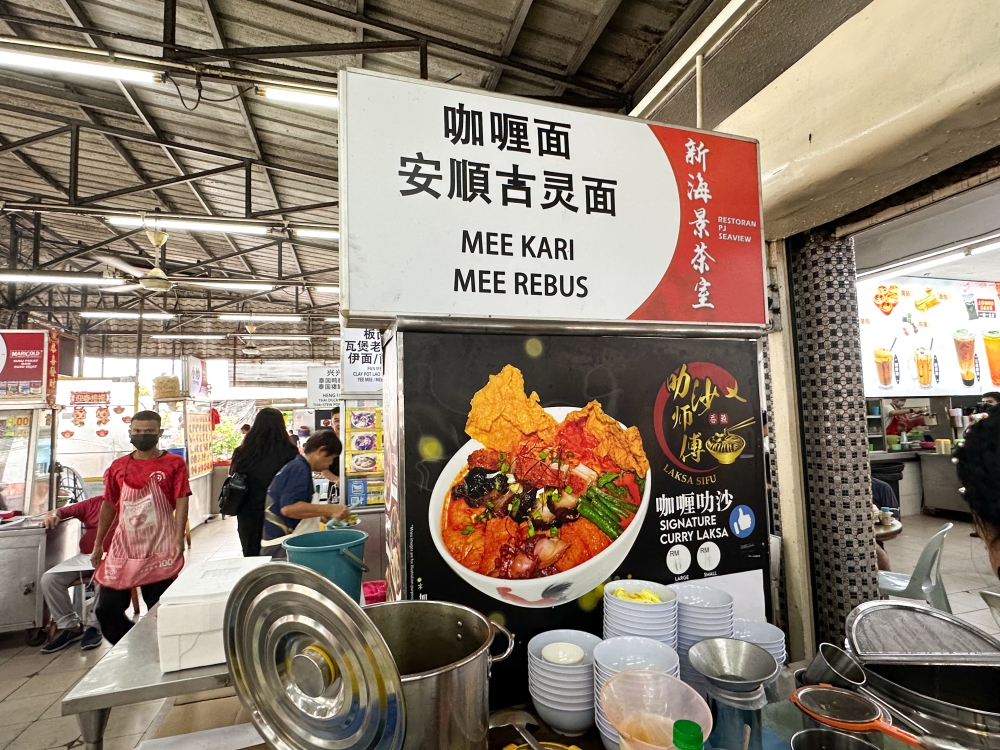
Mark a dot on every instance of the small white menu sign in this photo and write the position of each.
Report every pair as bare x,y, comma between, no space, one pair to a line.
323,384
361,360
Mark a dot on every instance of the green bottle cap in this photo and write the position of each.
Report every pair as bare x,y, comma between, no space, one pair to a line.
687,735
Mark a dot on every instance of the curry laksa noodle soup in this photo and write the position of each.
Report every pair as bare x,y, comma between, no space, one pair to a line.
543,504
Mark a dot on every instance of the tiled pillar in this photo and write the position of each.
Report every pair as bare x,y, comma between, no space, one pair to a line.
835,443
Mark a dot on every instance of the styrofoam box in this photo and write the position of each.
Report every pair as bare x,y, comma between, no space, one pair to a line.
189,619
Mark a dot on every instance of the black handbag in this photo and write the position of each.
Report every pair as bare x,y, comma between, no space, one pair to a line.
233,495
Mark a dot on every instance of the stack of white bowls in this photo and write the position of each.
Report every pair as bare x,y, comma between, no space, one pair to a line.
764,634
657,621
623,653
702,612
563,690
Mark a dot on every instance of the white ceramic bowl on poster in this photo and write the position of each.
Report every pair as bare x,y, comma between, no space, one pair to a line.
534,592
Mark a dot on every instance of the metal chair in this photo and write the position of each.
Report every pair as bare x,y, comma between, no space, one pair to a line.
993,602
925,582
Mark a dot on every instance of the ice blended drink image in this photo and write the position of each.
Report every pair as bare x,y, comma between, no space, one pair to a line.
965,348
992,341
883,364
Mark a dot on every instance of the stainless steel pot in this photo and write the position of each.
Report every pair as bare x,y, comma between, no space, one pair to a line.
316,672
828,739
442,653
957,702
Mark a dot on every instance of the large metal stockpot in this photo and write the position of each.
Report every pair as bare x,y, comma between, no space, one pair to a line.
317,672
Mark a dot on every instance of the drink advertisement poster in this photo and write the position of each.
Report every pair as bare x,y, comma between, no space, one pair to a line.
537,468
929,337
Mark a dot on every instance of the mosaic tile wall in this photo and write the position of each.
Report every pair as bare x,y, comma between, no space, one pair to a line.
781,605
838,481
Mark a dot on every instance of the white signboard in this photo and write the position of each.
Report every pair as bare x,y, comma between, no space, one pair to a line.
197,372
323,387
929,337
361,360
461,202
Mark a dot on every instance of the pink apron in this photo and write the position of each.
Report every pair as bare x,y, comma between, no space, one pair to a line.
143,548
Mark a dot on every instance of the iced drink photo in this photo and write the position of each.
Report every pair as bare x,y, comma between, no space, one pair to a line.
965,348
992,341
924,360
883,363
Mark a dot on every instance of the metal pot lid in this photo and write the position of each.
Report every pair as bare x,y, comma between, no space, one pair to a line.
312,669
888,632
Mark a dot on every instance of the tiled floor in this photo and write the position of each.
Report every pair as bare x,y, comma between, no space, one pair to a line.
32,685
964,565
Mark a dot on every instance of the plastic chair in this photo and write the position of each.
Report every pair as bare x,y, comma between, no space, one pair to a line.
993,602
925,582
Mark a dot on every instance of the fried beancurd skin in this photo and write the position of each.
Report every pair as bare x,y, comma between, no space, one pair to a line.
504,418
624,447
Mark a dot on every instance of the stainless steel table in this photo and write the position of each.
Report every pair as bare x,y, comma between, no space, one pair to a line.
130,673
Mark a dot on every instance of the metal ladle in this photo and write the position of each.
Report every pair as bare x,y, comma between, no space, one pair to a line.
519,720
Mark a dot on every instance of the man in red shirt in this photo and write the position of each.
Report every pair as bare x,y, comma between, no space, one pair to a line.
57,581
147,491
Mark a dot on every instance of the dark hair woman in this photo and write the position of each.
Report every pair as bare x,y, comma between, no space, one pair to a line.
979,472
265,450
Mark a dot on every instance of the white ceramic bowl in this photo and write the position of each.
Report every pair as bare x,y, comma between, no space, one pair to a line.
571,702
693,595
586,641
560,675
558,685
756,631
629,652
667,594
534,592
646,616
721,630
571,723
656,633
666,620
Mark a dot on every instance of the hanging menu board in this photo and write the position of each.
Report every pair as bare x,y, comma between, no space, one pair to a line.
929,337
487,205
198,431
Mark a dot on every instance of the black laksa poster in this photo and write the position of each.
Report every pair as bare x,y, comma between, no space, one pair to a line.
696,406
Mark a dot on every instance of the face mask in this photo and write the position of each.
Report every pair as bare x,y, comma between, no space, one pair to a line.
144,442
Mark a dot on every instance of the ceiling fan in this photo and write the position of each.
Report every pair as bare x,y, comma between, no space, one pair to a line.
152,279
250,348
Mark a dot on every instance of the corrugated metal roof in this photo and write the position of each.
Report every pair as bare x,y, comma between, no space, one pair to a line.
598,43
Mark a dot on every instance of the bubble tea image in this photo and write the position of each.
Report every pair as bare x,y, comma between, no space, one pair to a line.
992,341
883,365
965,348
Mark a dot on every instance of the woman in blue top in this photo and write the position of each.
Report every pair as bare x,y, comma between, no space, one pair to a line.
289,498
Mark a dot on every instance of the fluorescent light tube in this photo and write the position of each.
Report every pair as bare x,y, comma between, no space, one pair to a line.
298,96
332,320
234,286
76,67
255,337
328,290
42,277
119,315
263,318
187,226
318,234
188,337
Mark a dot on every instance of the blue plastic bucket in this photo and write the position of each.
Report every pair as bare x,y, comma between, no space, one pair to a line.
337,554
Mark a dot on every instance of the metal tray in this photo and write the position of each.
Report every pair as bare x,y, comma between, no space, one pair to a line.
893,632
